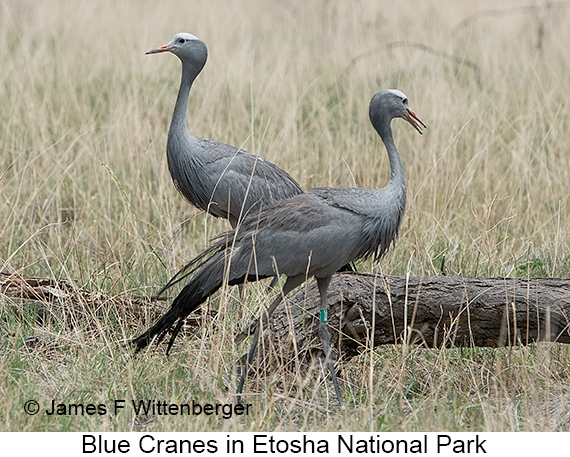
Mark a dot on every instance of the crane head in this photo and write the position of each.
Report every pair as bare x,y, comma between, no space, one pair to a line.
392,103
186,46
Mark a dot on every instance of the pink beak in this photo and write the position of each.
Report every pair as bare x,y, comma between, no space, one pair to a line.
416,122
164,48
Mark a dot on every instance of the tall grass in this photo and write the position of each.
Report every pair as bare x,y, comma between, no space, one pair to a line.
86,193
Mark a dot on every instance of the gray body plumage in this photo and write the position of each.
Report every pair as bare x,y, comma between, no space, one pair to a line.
311,234
223,180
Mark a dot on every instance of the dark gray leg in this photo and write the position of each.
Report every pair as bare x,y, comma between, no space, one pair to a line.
289,285
251,329
325,335
272,283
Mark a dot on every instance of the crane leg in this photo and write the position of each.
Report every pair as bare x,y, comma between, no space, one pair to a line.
251,328
325,335
272,283
289,285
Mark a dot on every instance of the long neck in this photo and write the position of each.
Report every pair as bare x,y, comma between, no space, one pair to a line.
179,116
397,177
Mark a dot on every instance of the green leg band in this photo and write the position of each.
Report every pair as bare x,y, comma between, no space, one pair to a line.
324,315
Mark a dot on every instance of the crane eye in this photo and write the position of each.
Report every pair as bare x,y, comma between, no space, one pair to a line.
405,101
181,40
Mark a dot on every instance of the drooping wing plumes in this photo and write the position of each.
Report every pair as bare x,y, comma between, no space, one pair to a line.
224,262
206,281
209,269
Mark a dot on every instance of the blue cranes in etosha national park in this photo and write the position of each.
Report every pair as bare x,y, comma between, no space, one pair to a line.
310,234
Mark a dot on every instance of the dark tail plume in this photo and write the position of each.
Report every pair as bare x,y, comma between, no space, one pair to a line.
208,279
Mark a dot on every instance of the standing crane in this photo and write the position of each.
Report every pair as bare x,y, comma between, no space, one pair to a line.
220,179
310,234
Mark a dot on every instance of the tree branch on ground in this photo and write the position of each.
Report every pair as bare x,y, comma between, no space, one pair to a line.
440,311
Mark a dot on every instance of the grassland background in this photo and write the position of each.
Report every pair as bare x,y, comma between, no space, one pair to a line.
85,192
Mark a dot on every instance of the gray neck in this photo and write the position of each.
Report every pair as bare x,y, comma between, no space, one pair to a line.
397,177
179,116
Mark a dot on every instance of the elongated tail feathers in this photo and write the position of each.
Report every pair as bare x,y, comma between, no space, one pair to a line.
211,269
208,279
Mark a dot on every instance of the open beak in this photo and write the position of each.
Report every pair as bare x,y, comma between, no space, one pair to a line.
164,48
416,122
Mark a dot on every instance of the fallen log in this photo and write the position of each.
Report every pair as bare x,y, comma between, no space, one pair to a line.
441,311
53,299
367,311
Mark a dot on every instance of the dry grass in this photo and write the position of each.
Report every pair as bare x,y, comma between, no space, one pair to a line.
87,195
